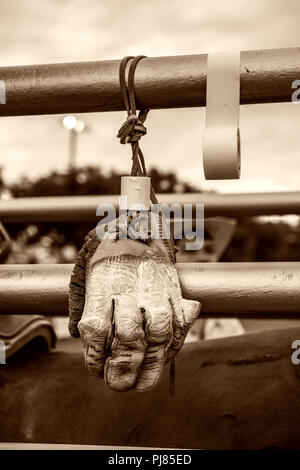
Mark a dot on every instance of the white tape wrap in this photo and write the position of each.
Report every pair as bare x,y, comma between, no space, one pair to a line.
221,140
137,191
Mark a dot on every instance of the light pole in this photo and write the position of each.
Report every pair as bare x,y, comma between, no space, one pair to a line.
74,126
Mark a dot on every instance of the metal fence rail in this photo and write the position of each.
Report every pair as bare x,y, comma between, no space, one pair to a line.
83,208
161,82
255,290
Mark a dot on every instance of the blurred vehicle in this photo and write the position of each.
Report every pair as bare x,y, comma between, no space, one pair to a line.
17,331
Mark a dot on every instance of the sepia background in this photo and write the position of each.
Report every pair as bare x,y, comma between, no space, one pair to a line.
230,393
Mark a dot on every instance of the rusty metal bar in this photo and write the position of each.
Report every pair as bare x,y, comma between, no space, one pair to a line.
83,208
161,82
253,290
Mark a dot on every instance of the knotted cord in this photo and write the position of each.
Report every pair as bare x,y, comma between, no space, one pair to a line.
131,132
133,128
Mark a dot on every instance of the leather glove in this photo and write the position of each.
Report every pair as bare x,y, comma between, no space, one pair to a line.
126,305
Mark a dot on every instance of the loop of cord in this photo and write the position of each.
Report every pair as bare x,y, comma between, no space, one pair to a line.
133,128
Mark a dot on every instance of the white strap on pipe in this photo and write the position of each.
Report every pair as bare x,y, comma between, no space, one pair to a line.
221,140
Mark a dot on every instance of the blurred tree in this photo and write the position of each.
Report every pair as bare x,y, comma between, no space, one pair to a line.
91,180
47,241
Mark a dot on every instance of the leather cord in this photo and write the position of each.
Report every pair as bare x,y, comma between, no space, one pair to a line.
133,129
131,132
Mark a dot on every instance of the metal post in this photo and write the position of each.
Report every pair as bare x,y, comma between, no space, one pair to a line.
83,208
72,150
255,290
161,82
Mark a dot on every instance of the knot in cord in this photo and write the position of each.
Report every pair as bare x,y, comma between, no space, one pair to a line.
132,129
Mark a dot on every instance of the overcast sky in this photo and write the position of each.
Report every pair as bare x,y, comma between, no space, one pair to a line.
50,31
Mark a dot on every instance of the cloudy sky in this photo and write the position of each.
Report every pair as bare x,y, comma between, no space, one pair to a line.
50,31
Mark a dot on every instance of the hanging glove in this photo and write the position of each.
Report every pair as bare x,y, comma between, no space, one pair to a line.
126,305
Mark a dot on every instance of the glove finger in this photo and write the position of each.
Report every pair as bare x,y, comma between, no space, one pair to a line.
185,314
152,368
158,319
128,347
95,332
190,309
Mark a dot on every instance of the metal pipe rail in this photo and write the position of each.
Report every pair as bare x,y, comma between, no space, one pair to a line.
83,208
253,290
161,82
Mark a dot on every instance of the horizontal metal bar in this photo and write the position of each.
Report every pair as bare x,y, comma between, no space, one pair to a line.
38,446
242,290
83,208
161,82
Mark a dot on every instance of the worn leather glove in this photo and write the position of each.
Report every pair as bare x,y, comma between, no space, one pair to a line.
126,305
